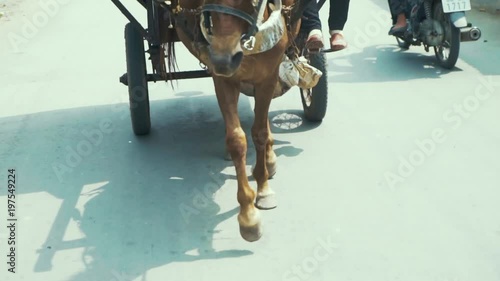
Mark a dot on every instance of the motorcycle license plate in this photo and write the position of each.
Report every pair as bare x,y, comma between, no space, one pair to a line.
450,6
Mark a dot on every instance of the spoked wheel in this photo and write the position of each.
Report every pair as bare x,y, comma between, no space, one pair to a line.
315,100
447,52
137,83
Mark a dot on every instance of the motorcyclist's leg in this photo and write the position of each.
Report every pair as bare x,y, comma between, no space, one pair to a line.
398,8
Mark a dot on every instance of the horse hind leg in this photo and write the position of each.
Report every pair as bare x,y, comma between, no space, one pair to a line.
265,165
249,216
271,158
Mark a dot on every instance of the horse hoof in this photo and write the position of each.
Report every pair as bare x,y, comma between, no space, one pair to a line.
266,202
251,233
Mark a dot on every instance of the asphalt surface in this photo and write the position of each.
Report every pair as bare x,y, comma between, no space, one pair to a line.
399,182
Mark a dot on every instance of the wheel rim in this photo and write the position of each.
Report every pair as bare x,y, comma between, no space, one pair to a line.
306,93
307,96
444,49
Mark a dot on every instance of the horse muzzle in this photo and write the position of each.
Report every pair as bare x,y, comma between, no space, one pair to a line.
227,63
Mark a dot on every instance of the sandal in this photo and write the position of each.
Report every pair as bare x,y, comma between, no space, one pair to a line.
314,42
398,30
337,43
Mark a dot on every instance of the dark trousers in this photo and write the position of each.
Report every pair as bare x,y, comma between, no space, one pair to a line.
310,18
338,14
397,7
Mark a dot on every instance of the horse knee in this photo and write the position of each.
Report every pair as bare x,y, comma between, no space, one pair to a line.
260,138
236,143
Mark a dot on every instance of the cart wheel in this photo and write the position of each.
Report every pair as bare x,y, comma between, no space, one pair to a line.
137,83
314,100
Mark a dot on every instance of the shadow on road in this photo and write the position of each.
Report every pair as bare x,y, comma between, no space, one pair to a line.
136,202
386,63
290,121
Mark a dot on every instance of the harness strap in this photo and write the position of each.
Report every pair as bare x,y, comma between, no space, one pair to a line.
254,28
230,11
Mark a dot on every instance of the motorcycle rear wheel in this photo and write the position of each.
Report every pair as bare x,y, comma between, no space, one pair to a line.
447,52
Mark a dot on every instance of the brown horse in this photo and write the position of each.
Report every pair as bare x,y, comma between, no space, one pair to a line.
212,30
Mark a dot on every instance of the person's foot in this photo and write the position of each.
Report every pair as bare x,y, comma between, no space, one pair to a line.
397,29
337,42
400,26
314,41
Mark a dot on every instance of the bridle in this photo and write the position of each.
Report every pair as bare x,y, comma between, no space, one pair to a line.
247,39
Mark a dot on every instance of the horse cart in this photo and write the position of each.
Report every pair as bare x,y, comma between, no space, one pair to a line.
161,36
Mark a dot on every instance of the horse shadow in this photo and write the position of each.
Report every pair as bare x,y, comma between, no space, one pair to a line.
131,203
148,201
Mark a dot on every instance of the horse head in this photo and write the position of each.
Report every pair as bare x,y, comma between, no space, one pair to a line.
229,23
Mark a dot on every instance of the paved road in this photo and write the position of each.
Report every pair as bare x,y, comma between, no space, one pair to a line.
400,182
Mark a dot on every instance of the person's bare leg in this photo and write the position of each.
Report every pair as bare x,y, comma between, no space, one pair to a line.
401,21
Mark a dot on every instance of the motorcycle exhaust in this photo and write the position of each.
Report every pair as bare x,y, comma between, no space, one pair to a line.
470,34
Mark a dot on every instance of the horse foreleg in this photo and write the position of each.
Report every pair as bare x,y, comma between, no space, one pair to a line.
236,143
270,155
265,165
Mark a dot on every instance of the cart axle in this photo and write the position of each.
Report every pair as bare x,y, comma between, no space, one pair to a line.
172,76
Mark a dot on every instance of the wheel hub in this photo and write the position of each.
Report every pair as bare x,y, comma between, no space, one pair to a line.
432,32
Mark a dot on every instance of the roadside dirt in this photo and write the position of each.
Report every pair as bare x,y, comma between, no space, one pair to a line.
8,8
12,9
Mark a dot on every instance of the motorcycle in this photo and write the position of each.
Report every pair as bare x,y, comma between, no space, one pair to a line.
440,24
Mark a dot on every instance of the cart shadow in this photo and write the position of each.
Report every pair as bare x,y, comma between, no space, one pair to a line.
131,203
